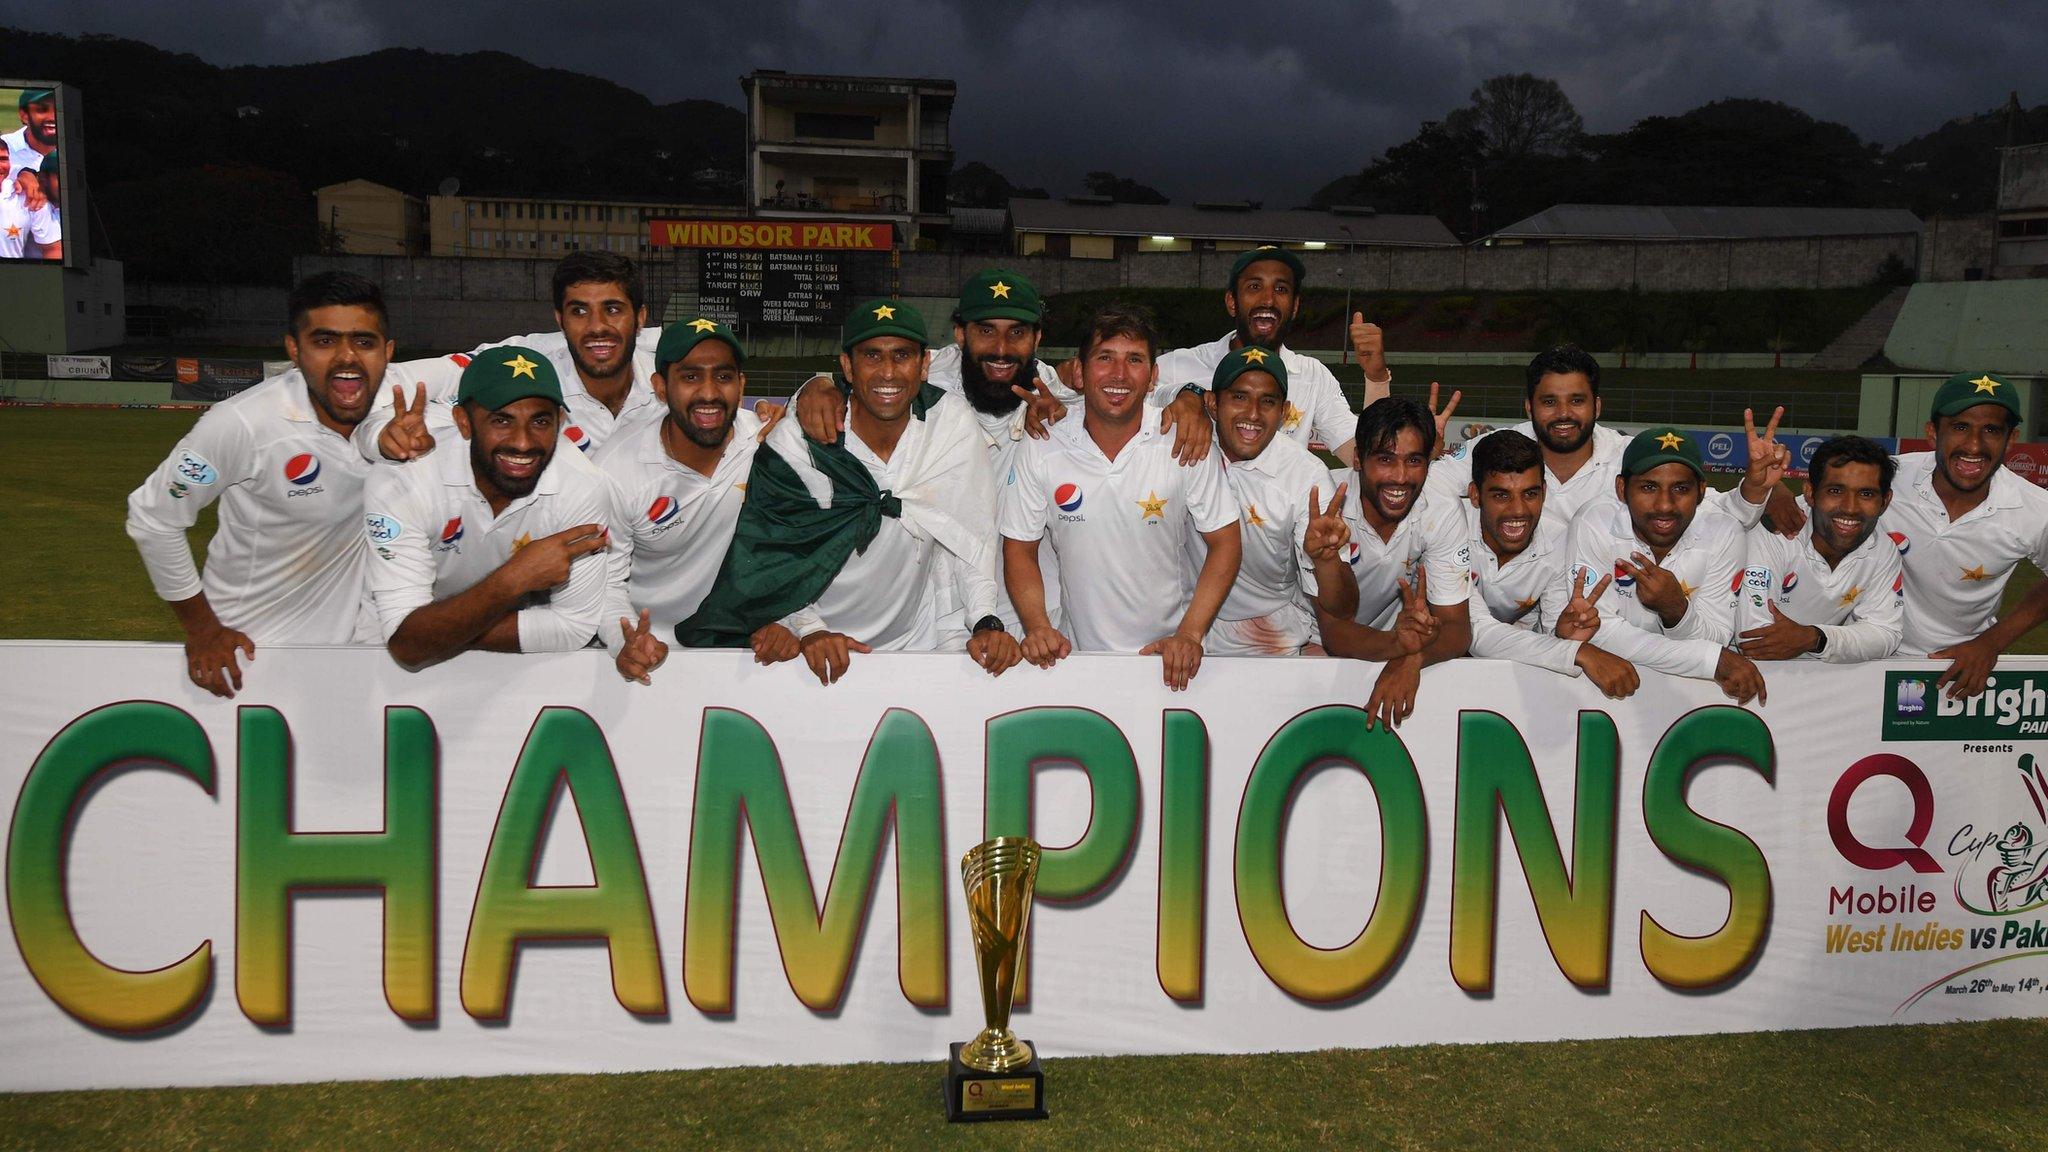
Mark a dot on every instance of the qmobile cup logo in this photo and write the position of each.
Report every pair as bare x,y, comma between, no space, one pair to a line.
1876,859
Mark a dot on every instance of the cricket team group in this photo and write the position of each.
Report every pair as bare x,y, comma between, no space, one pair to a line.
607,484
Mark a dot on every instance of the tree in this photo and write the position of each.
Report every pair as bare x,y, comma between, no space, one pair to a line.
1519,116
1121,190
976,185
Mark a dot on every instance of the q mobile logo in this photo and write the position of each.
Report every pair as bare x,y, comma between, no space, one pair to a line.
1720,445
1900,541
575,434
302,469
1068,497
1791,582
663,510
451,532
1883,857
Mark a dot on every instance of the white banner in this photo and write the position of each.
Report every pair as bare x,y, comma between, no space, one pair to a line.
548,870
79,367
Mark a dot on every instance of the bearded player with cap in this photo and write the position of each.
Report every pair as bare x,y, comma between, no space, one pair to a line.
1962,523
681,481
1671,566
496,548
286,564
31,146
842,546
1293,540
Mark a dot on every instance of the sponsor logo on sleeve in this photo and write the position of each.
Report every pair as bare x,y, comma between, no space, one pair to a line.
381,529
194,468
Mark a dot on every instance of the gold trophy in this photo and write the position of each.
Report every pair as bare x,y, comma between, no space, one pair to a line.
996,1076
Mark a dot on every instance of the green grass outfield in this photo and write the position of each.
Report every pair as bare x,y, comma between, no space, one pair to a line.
71,572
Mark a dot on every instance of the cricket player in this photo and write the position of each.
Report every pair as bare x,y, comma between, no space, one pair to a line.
993,361
1836,593
286,563
1119,510
26,230
1293,540
681,481
1581,456
1962,523
1410,555
29,146
1674,568
1264,298
1518,571
600,354
498,547
841,547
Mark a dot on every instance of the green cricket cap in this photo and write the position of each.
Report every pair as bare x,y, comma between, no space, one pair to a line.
497,377
1655,446
1000,294
883,318
1969,389
35,96
1268,252
678,338
1250,358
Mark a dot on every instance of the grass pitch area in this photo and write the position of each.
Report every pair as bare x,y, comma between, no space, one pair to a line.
72,573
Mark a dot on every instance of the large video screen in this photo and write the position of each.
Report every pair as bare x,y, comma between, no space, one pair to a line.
34,172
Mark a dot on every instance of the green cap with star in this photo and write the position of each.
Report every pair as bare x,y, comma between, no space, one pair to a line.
883,318
1000,294
1268,252
35,96
506,375
1666,445
678,338
1969,389
1250,358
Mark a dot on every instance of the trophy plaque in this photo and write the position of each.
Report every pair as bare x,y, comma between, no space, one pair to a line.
996,1076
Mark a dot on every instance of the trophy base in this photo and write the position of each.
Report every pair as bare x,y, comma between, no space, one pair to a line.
972,1094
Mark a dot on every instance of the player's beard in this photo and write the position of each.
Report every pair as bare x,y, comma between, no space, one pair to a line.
512,488
1562,447
343,416
628,342
47,133
705,437
1283,325
988,396
1825,526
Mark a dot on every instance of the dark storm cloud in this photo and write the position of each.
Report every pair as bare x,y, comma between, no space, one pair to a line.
1205,98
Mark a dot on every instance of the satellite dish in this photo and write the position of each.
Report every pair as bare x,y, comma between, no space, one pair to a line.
450,186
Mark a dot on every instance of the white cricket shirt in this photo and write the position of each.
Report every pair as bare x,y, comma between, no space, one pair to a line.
1432,536
1956,570
1857,604
432,536
1707,560
1316,409
1120,528
286,565
1515,606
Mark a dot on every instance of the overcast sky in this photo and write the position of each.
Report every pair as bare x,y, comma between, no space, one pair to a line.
1203,99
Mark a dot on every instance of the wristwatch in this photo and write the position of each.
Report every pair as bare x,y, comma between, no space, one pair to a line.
1820,640
989,624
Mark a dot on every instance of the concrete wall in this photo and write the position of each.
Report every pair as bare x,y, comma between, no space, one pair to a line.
219,313
1956,246
51,308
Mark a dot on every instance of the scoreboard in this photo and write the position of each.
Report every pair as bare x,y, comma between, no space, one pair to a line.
774,287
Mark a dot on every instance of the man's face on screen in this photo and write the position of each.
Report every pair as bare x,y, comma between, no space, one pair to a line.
41,120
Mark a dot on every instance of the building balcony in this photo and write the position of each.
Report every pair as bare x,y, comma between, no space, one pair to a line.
889,203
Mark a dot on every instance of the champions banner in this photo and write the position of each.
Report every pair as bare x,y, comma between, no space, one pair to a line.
523,864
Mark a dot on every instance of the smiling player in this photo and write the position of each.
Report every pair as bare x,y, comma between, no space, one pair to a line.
286,565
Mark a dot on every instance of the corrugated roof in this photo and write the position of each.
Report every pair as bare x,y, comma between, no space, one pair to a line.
980,221
1656,222
1187,222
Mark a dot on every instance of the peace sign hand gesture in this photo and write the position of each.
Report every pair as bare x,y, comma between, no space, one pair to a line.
1768,459
1042,409
1327,533
1581,616
1416,627
1442,416
406,436
641,653
1656,588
